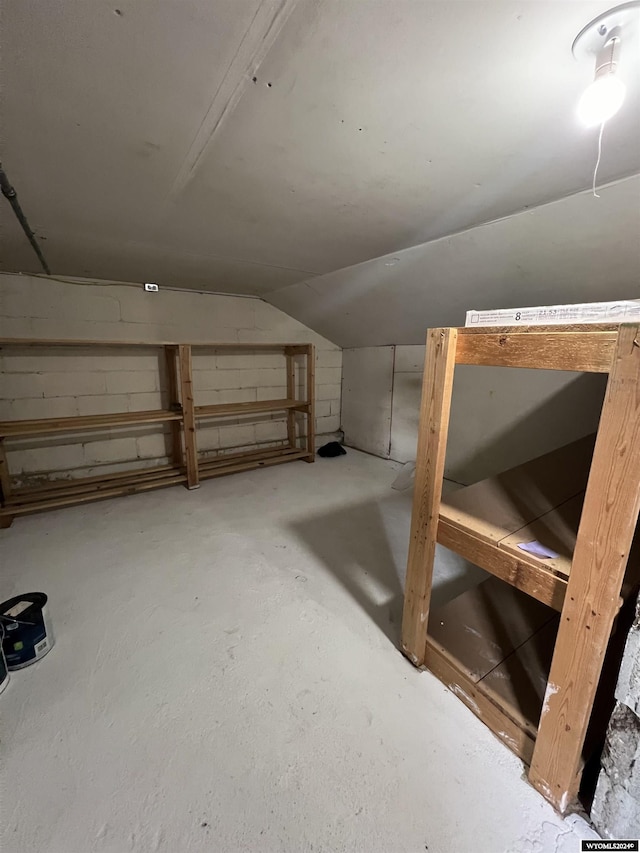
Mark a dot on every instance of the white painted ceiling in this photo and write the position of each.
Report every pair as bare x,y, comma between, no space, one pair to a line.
143,149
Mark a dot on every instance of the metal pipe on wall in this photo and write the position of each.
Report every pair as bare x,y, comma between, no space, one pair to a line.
12,197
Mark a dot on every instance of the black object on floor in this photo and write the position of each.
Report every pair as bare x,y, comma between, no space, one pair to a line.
332,449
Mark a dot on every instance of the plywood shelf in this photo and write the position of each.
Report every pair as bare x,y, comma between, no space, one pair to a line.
228,409
82,423
581,502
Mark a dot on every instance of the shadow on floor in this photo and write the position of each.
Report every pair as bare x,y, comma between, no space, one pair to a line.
365,546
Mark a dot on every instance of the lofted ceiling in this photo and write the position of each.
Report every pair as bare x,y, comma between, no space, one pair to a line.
246,146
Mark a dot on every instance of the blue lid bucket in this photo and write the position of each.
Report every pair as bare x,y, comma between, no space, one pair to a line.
27,629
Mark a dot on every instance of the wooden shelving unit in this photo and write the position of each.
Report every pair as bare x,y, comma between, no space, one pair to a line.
187,466
525,650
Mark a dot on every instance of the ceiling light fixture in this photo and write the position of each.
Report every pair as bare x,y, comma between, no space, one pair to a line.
601,40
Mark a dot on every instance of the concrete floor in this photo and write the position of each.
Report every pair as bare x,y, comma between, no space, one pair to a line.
226,679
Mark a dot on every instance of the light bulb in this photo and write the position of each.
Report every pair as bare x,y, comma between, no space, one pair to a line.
601,100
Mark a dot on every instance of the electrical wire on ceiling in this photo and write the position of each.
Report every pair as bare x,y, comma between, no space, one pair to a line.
12,197
595,171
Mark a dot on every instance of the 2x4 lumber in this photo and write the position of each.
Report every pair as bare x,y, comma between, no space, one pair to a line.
227,409
90,484
528,576
173,389
586,351
435,408
291,394
98,495
249,464
225,458
80,423
5,486
189,422
311,399
605,536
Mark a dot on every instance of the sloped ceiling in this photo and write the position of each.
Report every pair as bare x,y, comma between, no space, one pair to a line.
246,146
579,249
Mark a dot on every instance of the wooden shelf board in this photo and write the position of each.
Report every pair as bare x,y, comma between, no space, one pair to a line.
136,482
227,409
540,500
246,462
79,485
46,426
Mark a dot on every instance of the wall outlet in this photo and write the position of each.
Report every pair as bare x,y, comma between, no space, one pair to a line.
150,287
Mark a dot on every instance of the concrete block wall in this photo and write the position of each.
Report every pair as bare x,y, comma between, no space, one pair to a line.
616,806
61,382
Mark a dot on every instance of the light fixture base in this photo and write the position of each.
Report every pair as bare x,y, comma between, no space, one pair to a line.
591,39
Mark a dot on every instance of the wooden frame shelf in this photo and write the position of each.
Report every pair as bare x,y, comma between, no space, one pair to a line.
581,502
187,466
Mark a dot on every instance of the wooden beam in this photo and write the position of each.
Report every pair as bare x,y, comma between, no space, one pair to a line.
5,486
591,352
605,535
189,421
437,386
291,395
524,575
311,400
173,389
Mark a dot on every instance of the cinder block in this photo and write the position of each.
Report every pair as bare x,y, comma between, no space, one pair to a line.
323,408
276,392
154,445
235,435
111,450
43,459
330,424
238,395
271,431
145,402
335,407
57,407
19,386
328,375
208,438
328,392
104,404
328,358
131,382
73,384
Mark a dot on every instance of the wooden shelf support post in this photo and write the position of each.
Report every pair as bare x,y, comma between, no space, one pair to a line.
311,404
437,386
592,599
5,485
188,415
173,388
291,395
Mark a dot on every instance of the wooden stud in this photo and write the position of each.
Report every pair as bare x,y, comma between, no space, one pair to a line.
311,402
5,486
609,517
291,395
189,422
173,388
437,386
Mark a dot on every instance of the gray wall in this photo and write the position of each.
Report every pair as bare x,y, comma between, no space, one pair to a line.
500,417
54,382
